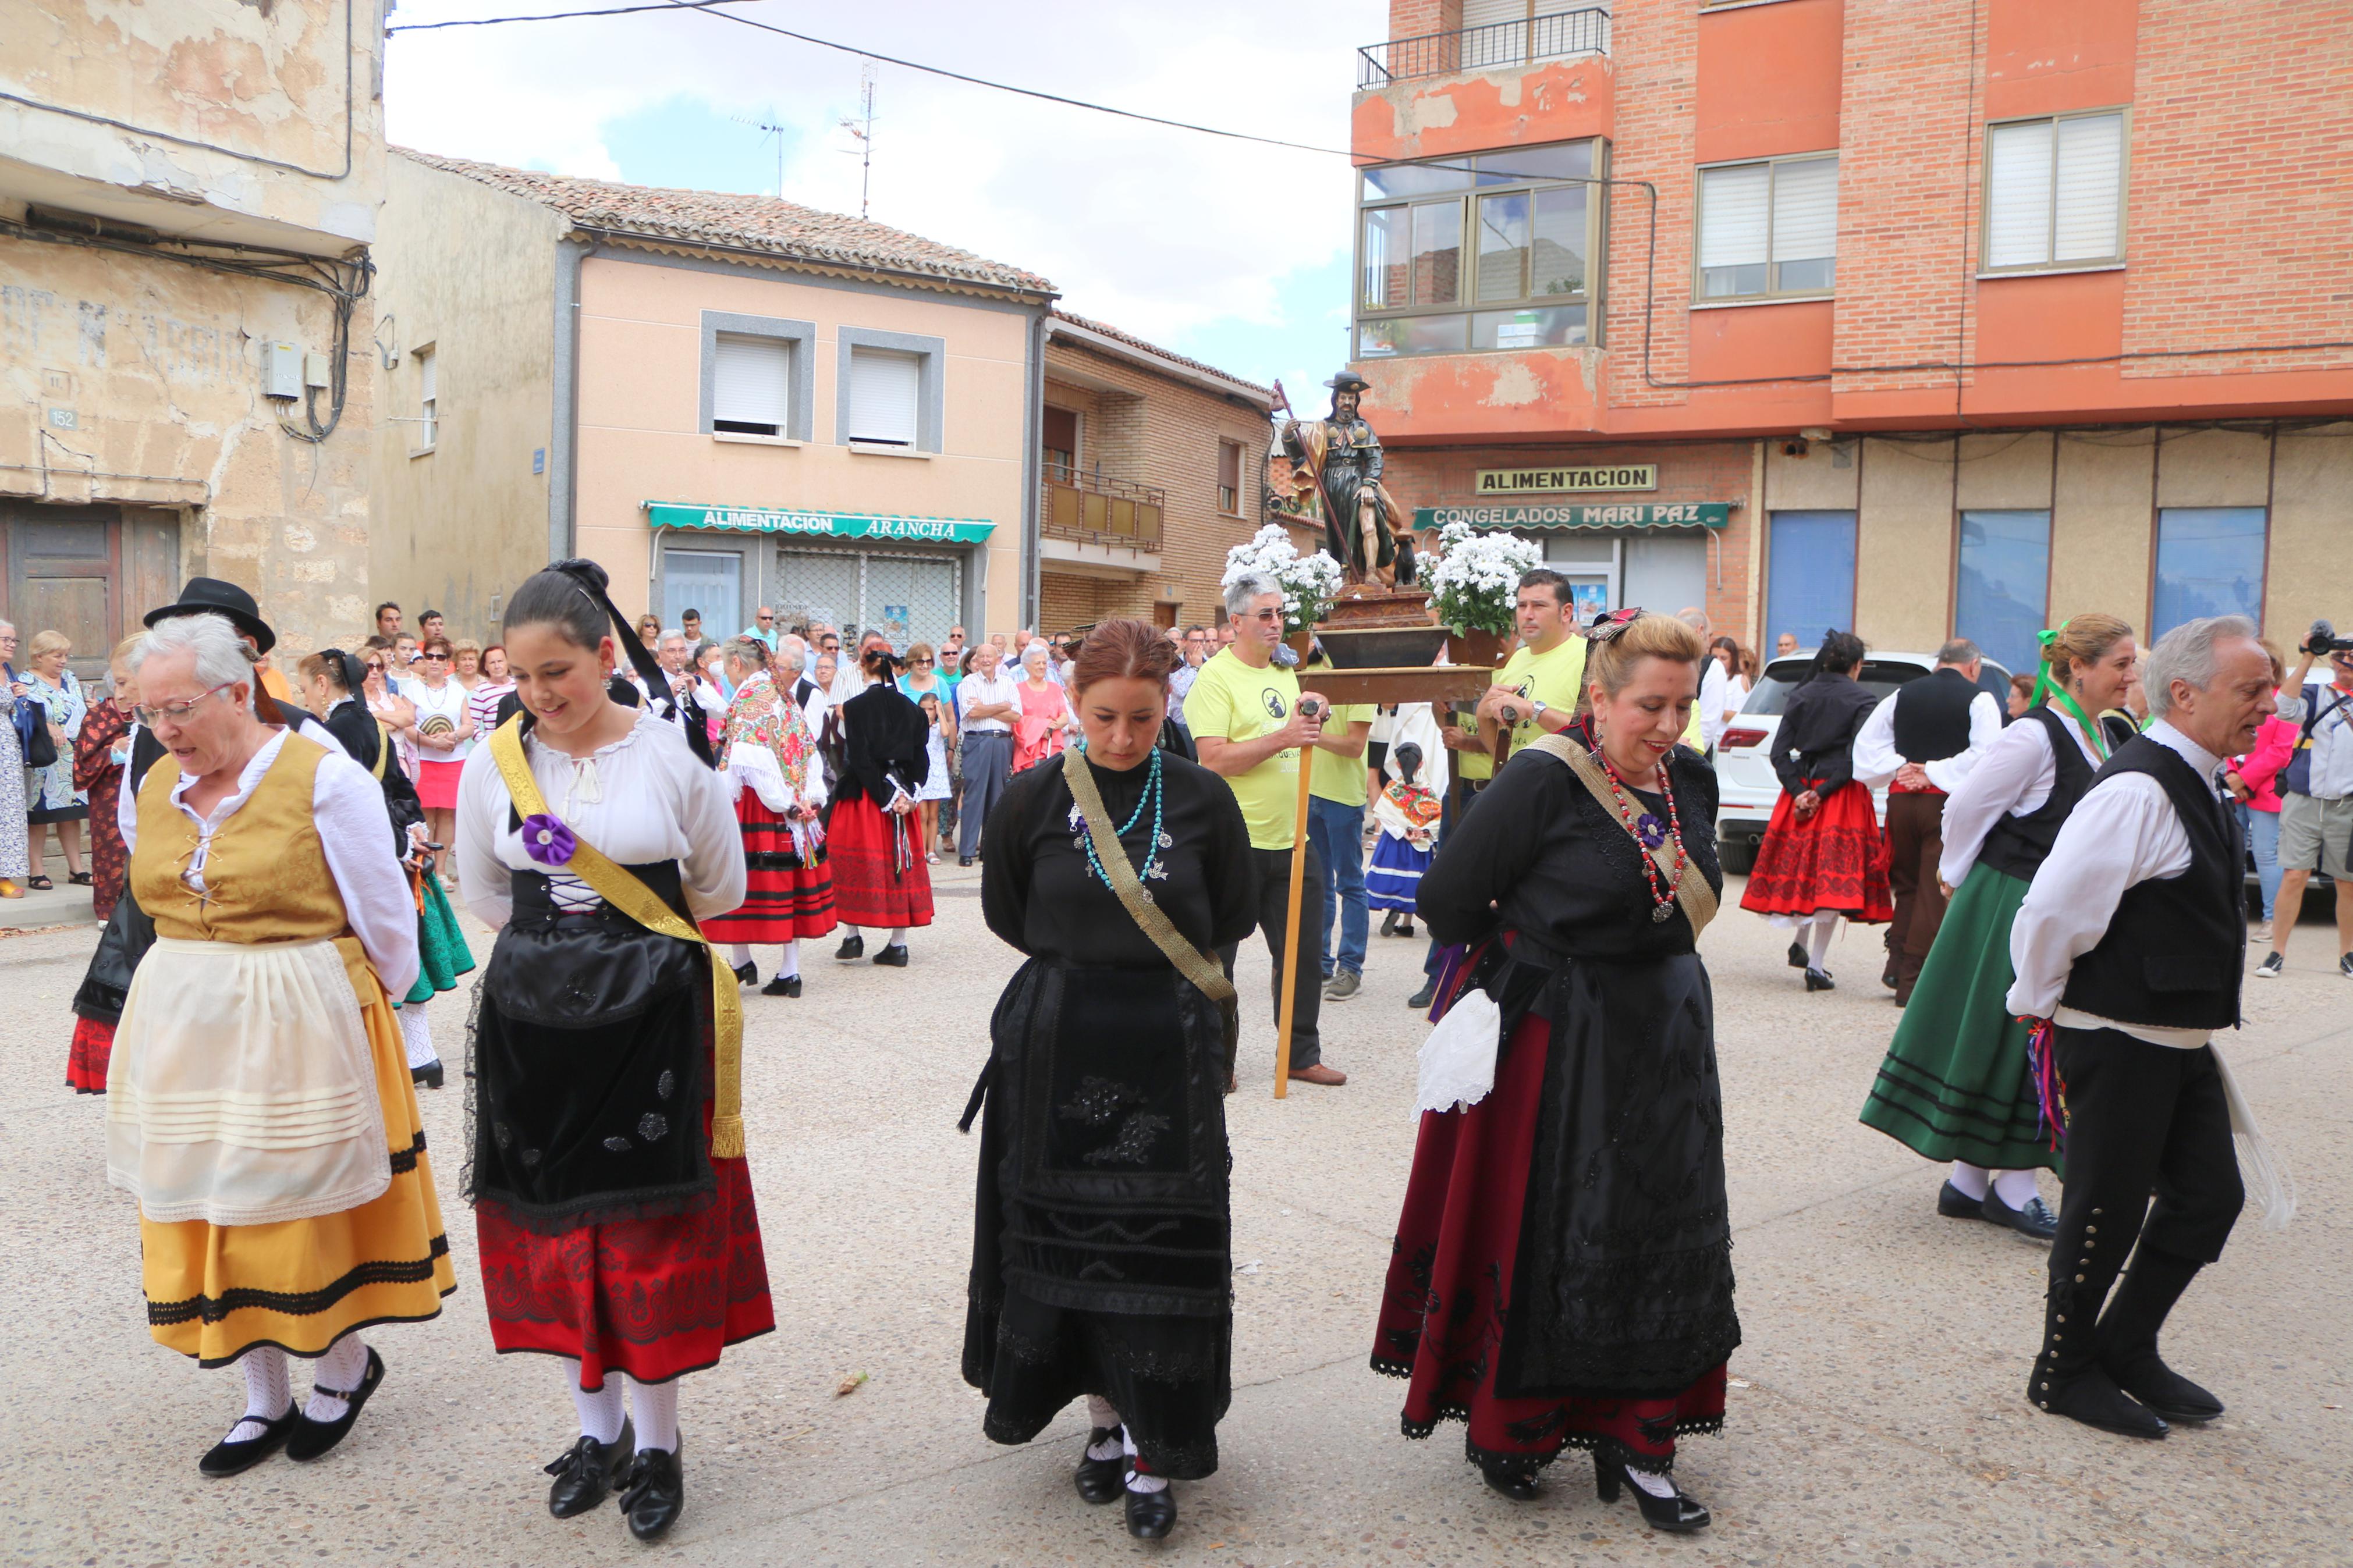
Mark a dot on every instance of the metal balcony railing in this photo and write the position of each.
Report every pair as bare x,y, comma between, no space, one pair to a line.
1585,31
1092,509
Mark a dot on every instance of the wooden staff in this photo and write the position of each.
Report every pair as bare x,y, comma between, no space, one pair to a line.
1291,941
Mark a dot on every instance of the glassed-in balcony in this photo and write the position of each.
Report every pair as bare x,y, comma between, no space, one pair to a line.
1491,47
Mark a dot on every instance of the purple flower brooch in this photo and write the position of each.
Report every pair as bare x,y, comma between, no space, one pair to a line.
546,840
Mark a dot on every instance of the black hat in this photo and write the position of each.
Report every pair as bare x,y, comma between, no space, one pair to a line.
211,596
1349,381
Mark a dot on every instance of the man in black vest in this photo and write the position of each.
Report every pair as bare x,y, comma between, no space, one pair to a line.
2132,941
1921,742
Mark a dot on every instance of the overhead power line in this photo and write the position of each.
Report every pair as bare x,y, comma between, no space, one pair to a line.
561,15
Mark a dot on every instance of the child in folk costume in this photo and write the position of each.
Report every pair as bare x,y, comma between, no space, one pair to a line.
880,877
769,760
1408,810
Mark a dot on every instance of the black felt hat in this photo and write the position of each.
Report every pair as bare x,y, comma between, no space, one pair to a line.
211,596
1349,381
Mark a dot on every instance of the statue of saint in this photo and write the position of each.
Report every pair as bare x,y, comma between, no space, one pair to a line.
1337,461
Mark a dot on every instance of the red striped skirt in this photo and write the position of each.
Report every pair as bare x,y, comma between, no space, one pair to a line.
785,897
1836,861
880,875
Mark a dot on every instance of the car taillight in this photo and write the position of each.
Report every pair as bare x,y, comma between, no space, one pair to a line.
1731,739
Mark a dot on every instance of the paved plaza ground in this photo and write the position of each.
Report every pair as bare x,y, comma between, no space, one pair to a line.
1877,1413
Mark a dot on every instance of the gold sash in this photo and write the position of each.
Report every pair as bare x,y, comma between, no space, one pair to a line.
617,886
1693,892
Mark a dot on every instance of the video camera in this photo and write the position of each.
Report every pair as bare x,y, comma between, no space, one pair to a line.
2325,641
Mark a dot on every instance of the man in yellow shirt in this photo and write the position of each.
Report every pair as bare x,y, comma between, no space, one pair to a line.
1537,690
1249,720
1336,821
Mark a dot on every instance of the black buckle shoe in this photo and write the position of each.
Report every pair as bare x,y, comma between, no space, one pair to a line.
782,985
1517,1482
225,1459
1151,1515
654,1492
2157,1385
1815,980
1955,1203
1101,1480
852,949
311,1439
1677,1515
426,1076
2034,1221
586,1473
894,956
747,975
1797,959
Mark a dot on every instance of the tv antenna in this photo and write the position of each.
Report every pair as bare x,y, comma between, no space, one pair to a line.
768,127
861,127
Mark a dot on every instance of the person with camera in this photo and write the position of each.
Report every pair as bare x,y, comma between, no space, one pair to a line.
2315,823
1249,721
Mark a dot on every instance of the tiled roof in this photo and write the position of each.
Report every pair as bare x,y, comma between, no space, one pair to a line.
784,228
1157,352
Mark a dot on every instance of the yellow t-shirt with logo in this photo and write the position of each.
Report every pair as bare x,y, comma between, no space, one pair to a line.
1333,777
1231,701
1555,678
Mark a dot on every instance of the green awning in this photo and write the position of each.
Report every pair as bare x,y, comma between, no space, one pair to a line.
1575,514
830,524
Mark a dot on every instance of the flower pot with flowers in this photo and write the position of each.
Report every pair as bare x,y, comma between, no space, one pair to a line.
1474,587
1308,582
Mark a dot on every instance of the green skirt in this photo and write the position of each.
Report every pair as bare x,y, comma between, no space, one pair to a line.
442,955
1955,1084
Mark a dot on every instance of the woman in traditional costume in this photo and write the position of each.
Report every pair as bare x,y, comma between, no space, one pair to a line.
1562,1275
335,683
101,757
1101,1262
873,836
612,1201
1823,859
260,1106
768,759
1955,1085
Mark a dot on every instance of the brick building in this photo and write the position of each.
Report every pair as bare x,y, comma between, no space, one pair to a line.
1152,469
1944,316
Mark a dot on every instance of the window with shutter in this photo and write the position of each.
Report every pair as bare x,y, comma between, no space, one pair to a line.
1229,477
885,393
428,376
1805,226
1769,229
2087,198
2055,192
1061,442
751,389
1735,223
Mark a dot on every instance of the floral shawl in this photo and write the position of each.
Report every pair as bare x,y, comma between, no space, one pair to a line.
763,718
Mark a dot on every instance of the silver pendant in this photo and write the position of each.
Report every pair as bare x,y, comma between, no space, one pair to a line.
1659,913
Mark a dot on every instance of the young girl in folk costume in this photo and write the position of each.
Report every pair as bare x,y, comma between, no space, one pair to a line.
769,760
880,877
614,1206
931,796
1408,811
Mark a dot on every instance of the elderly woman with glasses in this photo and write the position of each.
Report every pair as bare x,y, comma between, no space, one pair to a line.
260,1106
1042,724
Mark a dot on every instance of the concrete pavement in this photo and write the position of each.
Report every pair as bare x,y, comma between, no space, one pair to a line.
1877,1413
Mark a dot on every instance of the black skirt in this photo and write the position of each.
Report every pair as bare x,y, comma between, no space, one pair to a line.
1101,1260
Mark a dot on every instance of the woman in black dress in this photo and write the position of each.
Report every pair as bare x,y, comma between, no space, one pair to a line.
1562,1275
1101,1264
874,837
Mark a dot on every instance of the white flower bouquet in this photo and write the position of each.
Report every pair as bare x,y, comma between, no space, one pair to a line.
1309,582
1477,581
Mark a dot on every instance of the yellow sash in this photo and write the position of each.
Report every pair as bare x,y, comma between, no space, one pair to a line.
617,886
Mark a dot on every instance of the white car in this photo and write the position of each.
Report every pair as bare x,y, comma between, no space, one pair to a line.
1745,784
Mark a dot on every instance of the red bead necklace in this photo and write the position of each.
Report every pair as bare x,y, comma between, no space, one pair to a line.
1662,900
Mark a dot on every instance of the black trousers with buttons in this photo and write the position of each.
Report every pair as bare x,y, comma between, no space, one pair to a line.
2141,1119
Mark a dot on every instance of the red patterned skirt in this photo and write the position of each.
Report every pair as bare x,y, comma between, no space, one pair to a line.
652,1297
784,896
880,875
1834,862
93,1048
1450,1286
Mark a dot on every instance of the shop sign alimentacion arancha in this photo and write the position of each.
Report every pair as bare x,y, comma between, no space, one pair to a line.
1569,481
830,524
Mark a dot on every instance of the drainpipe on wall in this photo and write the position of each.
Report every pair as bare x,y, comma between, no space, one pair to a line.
1032,417
563,454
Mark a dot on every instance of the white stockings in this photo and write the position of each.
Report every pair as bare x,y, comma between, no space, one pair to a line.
1970,1181
1145,1485
789,960
415,1034
343,1367
2015,1188
601,1412
268,1391
1103,1418
1818,940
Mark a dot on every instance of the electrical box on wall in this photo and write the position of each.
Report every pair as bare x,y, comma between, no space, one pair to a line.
281,371
314,370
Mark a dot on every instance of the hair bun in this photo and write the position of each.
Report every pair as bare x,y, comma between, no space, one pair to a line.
591,575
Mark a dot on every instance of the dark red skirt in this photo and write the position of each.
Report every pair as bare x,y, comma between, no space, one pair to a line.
652,1297
784,898
1450,1288
1834,862
880,875
93,1049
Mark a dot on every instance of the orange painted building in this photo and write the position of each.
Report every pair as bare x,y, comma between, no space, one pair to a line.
1918,319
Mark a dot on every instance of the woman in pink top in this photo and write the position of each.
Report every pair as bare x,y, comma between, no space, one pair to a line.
2254,778
1041,728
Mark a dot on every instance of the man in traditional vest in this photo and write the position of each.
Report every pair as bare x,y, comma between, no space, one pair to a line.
1921,741
2131,943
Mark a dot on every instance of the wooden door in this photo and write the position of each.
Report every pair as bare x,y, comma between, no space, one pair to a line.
62,571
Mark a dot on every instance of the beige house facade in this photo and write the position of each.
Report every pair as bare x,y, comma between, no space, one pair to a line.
728,400
186,386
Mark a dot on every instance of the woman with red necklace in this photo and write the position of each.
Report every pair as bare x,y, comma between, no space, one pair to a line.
1562,1275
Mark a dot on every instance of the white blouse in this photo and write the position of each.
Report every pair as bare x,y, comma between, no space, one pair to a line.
450,705
643,799
2012,778
347,810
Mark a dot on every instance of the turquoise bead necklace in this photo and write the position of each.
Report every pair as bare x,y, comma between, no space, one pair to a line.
1153,797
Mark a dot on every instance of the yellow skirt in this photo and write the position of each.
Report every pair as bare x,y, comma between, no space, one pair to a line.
215,1291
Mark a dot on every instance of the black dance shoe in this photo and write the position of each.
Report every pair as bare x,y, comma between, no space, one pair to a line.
747,975
587,1472
1677,1515
1515,1482
2162,1389
1955,1203
894,956
1815,980
1101,1480
426,1076
653,1492
852,949
1797,959
1389,922
311,1439
2091,1397
225,1459
1151,1515
2034,1221
1423,997
782,985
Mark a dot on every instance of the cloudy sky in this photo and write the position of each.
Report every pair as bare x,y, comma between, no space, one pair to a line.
1234,253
